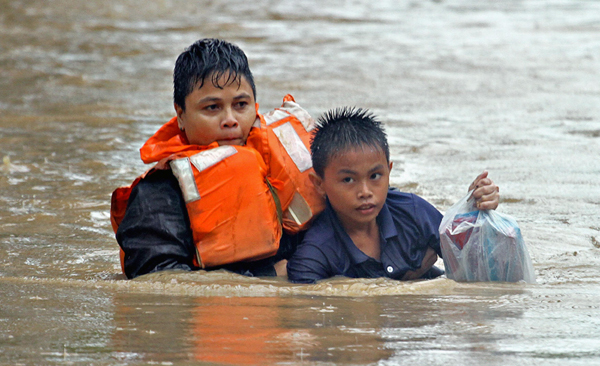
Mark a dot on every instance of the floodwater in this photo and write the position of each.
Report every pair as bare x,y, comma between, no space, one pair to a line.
462,86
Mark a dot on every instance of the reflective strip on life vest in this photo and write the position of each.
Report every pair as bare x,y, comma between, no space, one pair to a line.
274,116
208,158
293,108
283,140
182,169
294,146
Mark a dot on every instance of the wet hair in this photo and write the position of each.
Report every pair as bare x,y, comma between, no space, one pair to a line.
209,58
345,128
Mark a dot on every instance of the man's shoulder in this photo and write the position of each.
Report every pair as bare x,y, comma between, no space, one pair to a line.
157,181
402,203
158,191
397,198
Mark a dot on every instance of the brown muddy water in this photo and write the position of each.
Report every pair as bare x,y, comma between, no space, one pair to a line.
462,86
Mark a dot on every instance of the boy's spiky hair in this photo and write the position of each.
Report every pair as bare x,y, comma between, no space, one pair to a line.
345,128
209,58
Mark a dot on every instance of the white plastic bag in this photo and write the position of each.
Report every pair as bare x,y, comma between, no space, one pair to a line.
483,245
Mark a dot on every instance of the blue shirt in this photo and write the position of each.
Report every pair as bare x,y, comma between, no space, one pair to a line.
408,225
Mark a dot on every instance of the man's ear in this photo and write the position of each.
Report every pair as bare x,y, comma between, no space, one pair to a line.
391,164
317,182
179,112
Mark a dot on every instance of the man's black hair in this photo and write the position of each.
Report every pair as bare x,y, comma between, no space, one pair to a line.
345,128
209,58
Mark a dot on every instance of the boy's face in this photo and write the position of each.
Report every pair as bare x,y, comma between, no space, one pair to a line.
214,114
356,183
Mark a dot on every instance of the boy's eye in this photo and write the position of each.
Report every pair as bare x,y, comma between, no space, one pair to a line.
375,176
242,104
347,180
211,107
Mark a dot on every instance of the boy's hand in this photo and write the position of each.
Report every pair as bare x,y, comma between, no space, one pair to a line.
428,262
486,193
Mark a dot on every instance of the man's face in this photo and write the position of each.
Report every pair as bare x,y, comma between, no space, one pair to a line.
356,183
214,114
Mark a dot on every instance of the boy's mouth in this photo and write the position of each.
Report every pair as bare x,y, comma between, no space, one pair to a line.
366,208
231,141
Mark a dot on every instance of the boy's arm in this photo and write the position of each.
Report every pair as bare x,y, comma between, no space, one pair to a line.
428,262
307,265
428,222
155,233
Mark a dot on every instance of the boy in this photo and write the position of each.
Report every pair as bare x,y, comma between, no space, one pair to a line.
368,229
160,221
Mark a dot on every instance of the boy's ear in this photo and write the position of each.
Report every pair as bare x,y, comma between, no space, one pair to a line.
317,182
391,164
179,112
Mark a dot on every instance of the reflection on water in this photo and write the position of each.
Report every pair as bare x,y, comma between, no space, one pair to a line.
265,330
510,86
127,322
248,331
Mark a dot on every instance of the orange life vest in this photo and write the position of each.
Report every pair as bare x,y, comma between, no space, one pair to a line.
231,205
228,228
284,143
233,213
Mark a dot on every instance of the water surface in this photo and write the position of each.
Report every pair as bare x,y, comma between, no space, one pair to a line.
512,87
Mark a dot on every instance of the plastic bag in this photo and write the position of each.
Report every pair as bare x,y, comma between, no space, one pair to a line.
483,245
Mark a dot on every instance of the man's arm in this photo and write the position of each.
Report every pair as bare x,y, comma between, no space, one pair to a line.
155,233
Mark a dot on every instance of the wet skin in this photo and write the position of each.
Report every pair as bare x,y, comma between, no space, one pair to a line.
356,183
224,115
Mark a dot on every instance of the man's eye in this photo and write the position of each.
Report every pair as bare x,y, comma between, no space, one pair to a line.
376,176
211,107
347,180
242,104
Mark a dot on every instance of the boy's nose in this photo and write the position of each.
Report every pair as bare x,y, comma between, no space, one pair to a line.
364,191
229,120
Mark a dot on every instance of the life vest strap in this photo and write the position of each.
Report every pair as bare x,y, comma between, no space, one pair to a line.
276,200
